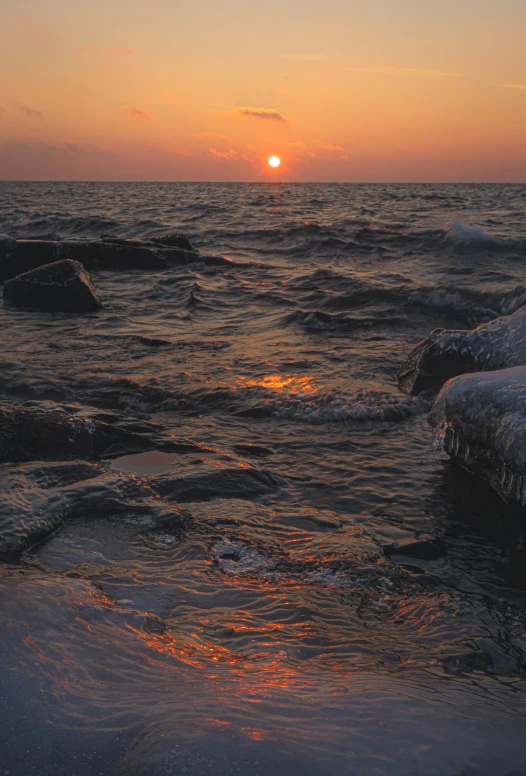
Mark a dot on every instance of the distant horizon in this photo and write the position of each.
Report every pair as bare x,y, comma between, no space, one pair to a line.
270,182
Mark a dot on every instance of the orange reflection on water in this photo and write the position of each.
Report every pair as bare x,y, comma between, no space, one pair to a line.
280,383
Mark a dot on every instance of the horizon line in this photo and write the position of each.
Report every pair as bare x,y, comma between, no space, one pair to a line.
298,183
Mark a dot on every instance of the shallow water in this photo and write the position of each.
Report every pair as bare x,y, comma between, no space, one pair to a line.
263,629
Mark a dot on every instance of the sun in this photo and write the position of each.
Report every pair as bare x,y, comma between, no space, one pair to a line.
274,161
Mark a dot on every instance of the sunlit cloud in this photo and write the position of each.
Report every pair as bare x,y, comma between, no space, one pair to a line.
408,72
206,135
136,113
31,113
330,147
224,155
258,113
520,87
169,97
285,92
299,144
305,57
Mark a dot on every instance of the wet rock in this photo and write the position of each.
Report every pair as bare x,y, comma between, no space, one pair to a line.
63,286
28,433
499,344
467,662
174,241
7,246
93,254
423,549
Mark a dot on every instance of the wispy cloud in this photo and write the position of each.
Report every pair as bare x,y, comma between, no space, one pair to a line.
224,155
206,135
31,113
521,87
407,72
305,57
330,147
285,92
136,113
269,114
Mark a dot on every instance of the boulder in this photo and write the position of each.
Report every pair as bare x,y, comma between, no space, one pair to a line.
499,344
63,286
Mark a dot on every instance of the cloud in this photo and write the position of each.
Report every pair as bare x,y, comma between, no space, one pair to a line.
258,113
285,92
120,51
31,113
330,147
521,87
299,144
408,72
224,155
305,57
169,97
136,113
211,136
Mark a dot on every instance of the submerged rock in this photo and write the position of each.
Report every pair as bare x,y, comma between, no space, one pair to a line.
480,422
26,255
63,286
174,241
498,344
29,433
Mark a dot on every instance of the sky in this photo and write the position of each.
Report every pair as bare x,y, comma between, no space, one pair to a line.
207,90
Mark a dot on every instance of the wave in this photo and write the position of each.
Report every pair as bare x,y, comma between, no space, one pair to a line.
335,406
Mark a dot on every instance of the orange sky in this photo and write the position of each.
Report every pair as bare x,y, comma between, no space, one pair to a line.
383,90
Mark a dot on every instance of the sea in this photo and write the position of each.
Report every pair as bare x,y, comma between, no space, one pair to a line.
361,609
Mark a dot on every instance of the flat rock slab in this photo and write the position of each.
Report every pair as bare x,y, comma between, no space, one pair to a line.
63,286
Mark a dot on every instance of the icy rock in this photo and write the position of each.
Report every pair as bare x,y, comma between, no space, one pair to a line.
480,420
498,344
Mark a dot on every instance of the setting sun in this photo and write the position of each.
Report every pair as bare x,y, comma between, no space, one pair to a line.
274,161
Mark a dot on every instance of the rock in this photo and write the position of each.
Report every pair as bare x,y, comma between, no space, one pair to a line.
424,549
498,344
174,241
480,422
29,433
63,286
7,246
93,254
467,662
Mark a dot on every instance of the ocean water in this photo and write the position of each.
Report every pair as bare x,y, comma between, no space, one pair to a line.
272,634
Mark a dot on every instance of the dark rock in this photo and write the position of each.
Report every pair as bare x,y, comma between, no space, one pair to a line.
28,433
467,662
174,241
63,286
7,246
424,549
430,364
93,254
